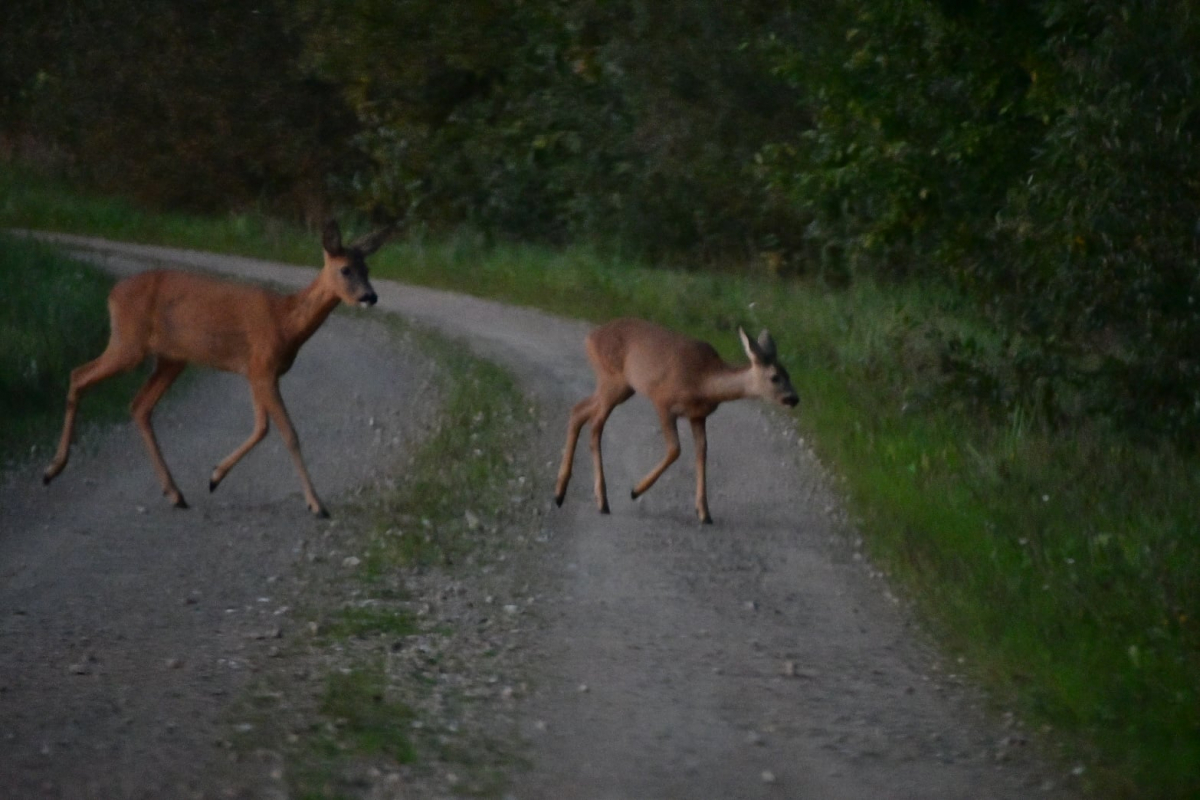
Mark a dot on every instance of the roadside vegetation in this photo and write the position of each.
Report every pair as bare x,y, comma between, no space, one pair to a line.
53,318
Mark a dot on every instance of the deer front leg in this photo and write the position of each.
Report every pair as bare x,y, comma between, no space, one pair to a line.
606,399
268,394
672,436
700,435
260,430
579,417
165,373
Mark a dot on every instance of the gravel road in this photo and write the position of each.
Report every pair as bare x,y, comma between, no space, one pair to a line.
762,656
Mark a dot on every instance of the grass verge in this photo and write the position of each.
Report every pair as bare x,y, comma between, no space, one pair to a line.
1063,566
52,319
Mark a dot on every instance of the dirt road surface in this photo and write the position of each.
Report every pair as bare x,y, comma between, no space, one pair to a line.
761,657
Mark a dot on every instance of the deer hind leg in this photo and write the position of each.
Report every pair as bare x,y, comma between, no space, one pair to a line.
113,361
142,407
267,394
672,436
700,435
580,414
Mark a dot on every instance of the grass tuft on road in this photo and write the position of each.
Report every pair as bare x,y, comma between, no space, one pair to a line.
459,485
357,700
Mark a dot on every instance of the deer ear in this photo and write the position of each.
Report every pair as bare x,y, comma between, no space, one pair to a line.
331,238
766,345
373,241
751,347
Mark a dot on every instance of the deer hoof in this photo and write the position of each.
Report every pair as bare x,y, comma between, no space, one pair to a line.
558,498
604,508
706,520
51,473
321,513
180,502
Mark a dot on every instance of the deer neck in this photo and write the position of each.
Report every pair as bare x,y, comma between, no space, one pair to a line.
727,383
307,310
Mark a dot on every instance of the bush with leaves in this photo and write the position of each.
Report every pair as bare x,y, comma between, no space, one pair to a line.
920,125
198,105
1037,158
1104,236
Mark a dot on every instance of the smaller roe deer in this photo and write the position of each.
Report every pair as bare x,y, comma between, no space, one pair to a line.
181,318
683,377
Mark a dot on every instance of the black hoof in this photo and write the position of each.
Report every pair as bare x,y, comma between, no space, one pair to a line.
604,508
46,480
706,521
633,495
321,513
181,503
558,498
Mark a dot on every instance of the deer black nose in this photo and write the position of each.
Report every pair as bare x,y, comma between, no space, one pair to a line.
368,299
791,401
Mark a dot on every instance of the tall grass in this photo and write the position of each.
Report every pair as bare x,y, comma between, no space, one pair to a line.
29,201
1062,565
52,318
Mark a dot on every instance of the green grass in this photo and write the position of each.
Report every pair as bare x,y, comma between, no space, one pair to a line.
52,318
361,719
27,201
1062,566
366,621
357,701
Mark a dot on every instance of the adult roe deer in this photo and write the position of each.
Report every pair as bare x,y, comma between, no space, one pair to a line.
181,318
682,377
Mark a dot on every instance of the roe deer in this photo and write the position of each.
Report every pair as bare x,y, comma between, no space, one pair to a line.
181,318
683,377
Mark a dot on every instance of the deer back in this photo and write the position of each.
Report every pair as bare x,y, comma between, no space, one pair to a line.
186,317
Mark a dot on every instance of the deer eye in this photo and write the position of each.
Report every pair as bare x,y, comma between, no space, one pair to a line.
776,378
346,272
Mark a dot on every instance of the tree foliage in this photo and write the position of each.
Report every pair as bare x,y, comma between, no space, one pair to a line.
198,105
632,119
1039,157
